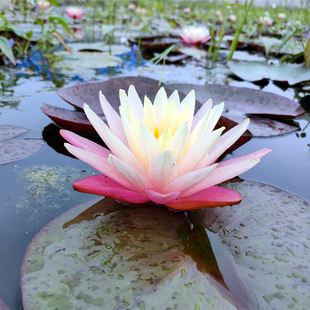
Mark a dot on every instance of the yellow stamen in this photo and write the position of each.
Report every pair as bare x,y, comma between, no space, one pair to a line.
156,133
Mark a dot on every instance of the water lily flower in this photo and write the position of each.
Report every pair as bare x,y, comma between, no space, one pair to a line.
131,7
218,14
195,34
232,18
187,10
74,12
281,16
160,152
43,5
266,21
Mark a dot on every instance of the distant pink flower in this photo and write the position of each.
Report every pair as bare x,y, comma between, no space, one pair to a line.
187,10
43,5
297,23
232,18
266,21
281,16
218,14
74,12
131,7
141,11
161,152
195,34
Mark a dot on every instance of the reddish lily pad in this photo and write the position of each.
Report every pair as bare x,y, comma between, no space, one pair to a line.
241,102
110,255
16,149
89,92
155,43
284,72
72,120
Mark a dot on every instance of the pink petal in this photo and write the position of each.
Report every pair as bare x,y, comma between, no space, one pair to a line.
258,154
113,119
104,186
84,144
208,198
220,175
161,198
100,163
202,112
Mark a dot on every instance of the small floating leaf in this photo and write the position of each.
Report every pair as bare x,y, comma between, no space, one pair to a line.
16,149
255,71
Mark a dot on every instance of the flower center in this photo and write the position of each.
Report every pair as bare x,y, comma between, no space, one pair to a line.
156,132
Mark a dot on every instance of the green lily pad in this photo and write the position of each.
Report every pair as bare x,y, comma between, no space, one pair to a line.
268,235
255,71
116,256
73,63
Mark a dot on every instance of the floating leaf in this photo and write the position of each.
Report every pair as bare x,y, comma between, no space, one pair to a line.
16,149
254,71
72,120
112,255
193,52
89,92
268,235
155,43
248,256
9,132
240,102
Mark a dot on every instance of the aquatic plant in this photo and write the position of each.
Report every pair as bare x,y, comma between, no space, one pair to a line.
195,34
74,12
161,152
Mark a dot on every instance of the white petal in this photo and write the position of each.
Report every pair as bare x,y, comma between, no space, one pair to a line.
164,140
207,106
135,102
175,96
191,100
147,145
130,174
160,104
149,114
124,153
187,180
198,151
169,118
214,116
162,169
178,142
223,143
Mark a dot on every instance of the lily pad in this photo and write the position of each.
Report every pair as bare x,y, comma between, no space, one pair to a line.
16,149
248,256
89,92
268,235
113,255
255,71
72,120
155,43
241,102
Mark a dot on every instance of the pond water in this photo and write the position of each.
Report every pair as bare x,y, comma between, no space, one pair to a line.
37,189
